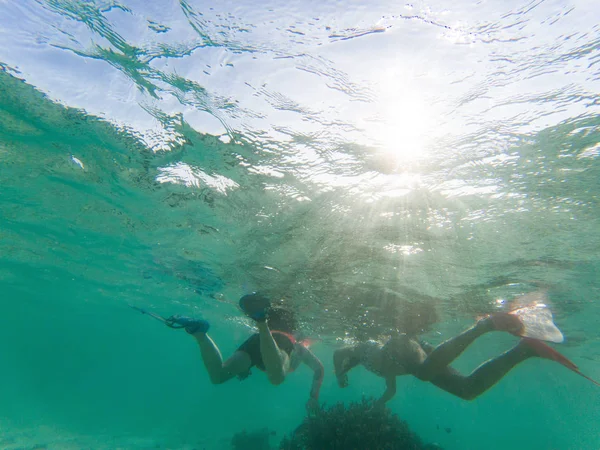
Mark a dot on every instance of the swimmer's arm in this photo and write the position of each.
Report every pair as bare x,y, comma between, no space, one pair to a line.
427,347
315,364
390,391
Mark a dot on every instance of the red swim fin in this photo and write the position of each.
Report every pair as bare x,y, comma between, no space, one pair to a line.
538,324
587,378
545,351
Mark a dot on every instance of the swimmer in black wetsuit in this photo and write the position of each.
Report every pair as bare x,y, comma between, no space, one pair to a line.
274,351
405,355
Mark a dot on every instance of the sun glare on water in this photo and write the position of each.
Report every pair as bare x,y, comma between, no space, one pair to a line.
401,129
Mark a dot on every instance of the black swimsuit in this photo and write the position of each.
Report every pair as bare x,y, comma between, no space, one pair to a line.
252,347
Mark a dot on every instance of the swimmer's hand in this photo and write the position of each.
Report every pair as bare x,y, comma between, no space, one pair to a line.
342,380
312,406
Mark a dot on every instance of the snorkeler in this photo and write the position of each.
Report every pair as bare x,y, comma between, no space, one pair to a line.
405,355
273,349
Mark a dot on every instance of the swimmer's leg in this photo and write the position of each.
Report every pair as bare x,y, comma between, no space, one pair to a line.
220,372
448,351
485,376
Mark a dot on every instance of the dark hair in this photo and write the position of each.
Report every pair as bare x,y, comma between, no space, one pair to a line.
282,318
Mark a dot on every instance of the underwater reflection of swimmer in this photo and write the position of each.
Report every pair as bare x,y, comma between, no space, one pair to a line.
405,355
273,349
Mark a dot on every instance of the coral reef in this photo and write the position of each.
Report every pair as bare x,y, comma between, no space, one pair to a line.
255,440
357,426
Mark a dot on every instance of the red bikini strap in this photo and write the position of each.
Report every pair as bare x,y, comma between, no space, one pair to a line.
288,335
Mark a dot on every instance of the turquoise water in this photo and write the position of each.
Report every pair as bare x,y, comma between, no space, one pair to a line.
353,159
